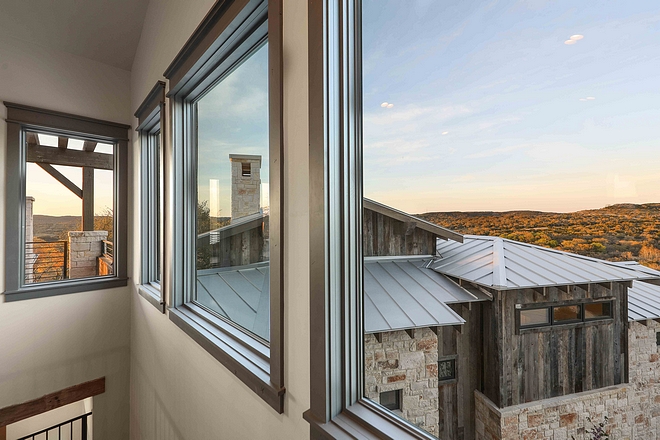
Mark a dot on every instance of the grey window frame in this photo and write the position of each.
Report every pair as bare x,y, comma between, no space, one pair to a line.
338,408
454,360
22,118
229,27
152,124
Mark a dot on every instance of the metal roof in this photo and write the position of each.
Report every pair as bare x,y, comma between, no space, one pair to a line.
506,264
241,294
643,301
402,293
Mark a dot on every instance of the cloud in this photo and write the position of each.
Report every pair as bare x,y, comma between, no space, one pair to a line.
445,133
496,151
574,39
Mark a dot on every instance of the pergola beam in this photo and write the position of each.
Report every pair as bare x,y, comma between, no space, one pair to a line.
61,178
62,142
89,146
88,199
72,158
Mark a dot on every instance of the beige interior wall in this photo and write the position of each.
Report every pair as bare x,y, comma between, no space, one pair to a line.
48,344
52,418
178,391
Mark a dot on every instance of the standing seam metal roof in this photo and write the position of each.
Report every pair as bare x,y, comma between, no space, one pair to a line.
506,264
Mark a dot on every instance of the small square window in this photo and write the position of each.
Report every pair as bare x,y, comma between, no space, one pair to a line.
246,170
391,400
446,369
534,317
657,338
564,314
598,310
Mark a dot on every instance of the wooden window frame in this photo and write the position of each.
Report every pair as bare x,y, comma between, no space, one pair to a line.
338,408
550,308
22,118
152,125
230,30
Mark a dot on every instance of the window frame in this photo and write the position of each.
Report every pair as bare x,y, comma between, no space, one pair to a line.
214,47
453,358
22,118
152,124
552,323
338,408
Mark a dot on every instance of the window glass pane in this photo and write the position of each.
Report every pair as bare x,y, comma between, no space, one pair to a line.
69,208
391,399
598,310
534,317
566,313
233,203
446,369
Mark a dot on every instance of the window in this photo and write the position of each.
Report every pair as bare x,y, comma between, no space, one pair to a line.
151,120
565,314
657,338
224,269
598,310
534,317
66,193
447,369
391,400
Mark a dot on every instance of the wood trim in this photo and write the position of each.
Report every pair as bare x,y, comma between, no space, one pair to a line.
37,117
407,218
151,104
3,433
22,411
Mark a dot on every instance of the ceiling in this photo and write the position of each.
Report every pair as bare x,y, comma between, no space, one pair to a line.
103,30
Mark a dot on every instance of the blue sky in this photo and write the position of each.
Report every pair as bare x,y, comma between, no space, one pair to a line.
233,119
492,110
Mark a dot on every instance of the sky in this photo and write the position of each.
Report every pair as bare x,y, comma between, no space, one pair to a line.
505,105
53,198
233,119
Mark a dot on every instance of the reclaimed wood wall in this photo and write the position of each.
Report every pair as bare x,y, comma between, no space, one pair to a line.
385,236
456,398
539,363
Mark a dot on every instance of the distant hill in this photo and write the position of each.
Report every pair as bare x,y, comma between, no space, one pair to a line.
52,228
617,233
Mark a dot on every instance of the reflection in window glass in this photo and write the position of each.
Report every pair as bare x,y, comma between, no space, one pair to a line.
69,221
233,203
533,317
598,310
566,313
391,399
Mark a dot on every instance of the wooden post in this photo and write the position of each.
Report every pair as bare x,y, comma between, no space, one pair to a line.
3,433
88,199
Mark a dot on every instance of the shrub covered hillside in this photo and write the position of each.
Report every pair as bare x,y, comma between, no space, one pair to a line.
616,233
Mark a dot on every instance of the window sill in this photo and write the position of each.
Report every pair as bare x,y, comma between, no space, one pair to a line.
365,420
43,290
243,355
152,295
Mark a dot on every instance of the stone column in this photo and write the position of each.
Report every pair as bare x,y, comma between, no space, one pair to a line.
84,250
245,185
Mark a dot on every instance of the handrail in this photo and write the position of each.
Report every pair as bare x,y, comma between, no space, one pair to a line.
46,261
83,430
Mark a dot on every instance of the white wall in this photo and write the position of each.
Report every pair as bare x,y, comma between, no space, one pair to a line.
48,344
178,391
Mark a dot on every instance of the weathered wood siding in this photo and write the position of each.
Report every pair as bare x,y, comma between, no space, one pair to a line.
456,399
385,236
534,364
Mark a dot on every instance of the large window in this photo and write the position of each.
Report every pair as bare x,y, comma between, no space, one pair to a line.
525,126
225,261
151,126
66,195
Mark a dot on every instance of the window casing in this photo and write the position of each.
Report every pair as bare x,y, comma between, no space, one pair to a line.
227,36
567,313
152,120
338,408
23,122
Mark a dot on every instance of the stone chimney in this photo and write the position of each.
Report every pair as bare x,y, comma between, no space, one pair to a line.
245,185
30,256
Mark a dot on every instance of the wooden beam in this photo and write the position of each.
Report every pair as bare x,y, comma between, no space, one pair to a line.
72,158
89,146
62,142
61,178
22,411
32,139
88,199
411,332
3,433
379,337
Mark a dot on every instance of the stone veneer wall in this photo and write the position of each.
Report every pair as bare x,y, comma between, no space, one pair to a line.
633,409
410,365
84,250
